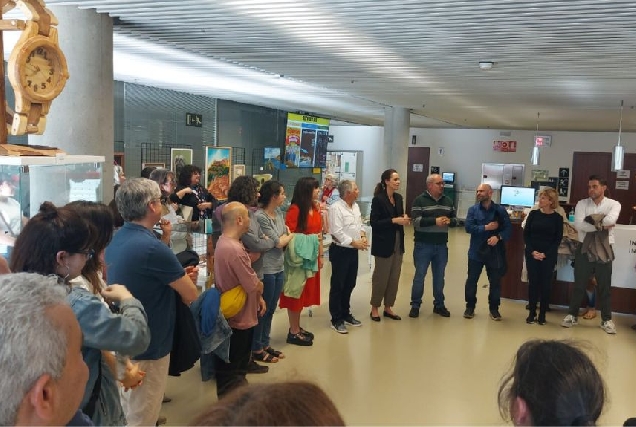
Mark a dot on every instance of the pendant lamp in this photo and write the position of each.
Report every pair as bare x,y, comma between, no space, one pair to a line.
534,157
618,155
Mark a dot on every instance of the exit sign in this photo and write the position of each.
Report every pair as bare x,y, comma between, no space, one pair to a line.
194,120
543,141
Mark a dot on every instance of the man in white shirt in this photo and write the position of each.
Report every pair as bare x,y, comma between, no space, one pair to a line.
345,226
597,203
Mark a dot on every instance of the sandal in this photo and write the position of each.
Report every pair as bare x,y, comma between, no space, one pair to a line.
307,334
299,339
274,353
590,314
265,357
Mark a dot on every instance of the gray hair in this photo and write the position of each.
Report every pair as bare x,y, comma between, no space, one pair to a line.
133,197
161,175
431,178
31,344
345,186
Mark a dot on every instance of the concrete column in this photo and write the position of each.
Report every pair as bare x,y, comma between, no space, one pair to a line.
81,120
397,126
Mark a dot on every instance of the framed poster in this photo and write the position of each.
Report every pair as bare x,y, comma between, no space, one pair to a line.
153,165
237,170
179,157
272,158
218,161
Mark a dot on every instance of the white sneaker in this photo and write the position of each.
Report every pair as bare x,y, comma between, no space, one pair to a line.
608,326
569,321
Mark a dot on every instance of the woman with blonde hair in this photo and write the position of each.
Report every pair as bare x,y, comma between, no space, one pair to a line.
542,235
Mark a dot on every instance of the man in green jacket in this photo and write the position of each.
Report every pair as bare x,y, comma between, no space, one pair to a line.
432,213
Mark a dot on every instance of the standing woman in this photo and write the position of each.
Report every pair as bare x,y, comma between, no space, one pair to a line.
387,244
191,193
272,224
303,216
59,241
542,235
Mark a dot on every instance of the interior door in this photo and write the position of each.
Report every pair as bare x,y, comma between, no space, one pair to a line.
586,164
417,172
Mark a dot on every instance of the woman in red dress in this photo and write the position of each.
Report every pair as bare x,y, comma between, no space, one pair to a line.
303,216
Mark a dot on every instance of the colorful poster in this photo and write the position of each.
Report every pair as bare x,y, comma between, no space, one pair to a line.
217,171
306,141
272,158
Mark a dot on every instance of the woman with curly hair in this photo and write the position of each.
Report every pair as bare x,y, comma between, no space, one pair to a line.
304,217
191,193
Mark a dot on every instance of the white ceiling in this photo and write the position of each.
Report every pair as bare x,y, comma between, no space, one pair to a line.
571,60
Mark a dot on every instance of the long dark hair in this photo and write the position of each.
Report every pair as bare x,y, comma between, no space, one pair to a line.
52,230
303,198
559,383
381,186
268,191
101,218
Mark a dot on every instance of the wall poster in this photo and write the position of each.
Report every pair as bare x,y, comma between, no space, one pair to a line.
179,157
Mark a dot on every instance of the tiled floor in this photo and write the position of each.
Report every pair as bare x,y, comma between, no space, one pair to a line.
430,370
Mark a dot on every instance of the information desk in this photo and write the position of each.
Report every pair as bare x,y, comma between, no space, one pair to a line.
623,271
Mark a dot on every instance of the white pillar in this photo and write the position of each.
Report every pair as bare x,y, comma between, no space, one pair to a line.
397,127
81,120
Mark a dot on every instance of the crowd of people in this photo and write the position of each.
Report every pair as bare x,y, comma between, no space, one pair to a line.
98,310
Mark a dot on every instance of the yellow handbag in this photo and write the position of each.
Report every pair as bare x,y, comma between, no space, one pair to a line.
233,301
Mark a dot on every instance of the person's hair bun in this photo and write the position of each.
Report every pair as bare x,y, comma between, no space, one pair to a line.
48,210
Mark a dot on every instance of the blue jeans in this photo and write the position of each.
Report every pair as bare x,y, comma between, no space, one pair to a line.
423,255
494,279
272,288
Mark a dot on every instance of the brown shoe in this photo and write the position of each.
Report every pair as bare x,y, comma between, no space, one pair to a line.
161,420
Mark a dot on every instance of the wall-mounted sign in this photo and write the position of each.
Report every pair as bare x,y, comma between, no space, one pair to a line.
194,120
622,185
542,141
622,174
504,146
418,167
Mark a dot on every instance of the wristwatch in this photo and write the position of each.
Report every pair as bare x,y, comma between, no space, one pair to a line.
37,69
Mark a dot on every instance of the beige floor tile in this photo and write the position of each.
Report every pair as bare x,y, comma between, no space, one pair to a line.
425,371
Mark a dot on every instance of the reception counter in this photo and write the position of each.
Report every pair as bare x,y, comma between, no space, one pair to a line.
623,271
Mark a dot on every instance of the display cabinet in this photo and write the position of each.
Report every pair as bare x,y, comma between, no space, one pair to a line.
27,181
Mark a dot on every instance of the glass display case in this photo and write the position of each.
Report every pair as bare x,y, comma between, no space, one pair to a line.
27,181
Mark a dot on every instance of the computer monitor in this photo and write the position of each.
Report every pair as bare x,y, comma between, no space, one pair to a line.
517,196
448,177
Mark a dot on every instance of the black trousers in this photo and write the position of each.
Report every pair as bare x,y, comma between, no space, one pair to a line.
344,272
583,269
232,375
540,274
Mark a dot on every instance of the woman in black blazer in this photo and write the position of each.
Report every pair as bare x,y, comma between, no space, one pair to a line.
387,243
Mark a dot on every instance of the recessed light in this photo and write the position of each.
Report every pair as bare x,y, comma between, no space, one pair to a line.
486,65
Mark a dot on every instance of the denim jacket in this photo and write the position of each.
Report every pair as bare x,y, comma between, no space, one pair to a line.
126,333
218,342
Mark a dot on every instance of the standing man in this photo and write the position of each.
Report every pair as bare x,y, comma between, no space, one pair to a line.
152,272
345,226
233,268
594,219
432,214
488,224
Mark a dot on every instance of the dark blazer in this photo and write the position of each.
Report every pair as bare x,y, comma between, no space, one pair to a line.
383,237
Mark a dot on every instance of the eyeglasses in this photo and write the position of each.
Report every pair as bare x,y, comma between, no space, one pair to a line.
89,253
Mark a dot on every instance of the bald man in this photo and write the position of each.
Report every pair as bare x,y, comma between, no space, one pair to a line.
488,223
232,268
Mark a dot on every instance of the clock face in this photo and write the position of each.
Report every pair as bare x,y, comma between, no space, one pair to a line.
40,77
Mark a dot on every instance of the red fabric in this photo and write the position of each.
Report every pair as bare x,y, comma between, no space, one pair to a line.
311,292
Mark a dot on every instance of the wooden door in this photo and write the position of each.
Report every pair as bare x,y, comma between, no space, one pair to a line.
586,164
417,172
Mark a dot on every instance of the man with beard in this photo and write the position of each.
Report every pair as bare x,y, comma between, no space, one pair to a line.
488,224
